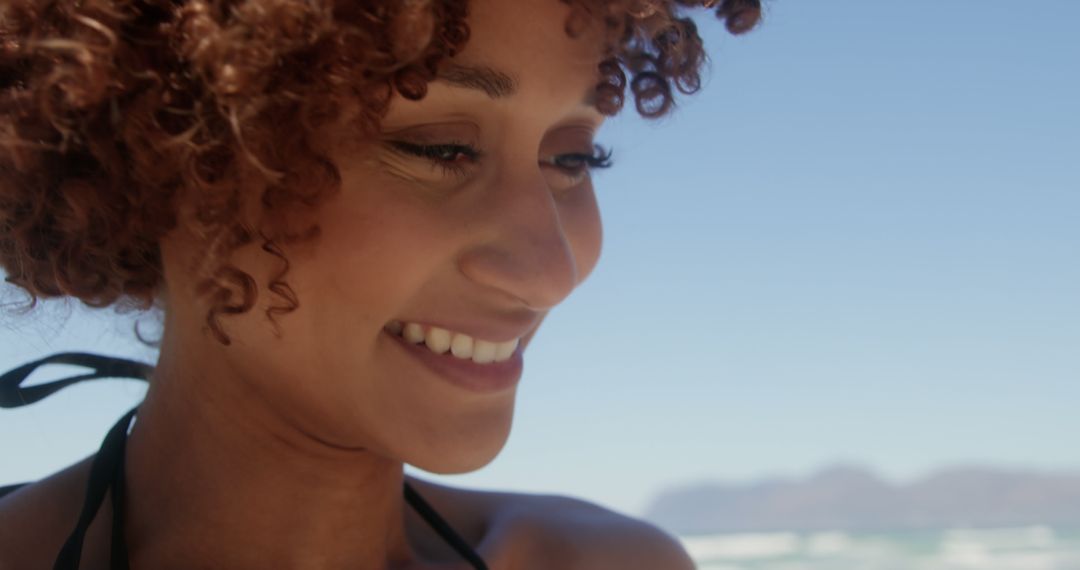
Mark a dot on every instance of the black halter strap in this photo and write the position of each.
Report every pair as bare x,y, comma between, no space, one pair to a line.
107,469
13,394
443,528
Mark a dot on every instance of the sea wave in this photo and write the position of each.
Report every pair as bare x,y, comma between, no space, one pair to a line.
1021,548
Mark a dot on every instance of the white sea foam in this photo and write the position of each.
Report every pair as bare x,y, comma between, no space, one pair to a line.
1023,548
828,544
719,566
747,546
1003,538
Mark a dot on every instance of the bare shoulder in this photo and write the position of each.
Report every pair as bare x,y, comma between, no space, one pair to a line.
35,520
581,535
540,532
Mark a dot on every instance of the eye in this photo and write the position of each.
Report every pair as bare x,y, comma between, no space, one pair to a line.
457,157
599,158
574,167
452,157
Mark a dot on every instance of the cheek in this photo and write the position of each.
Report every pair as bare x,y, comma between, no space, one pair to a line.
581,222
376,246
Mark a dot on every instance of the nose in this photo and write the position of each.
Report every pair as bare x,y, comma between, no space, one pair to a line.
525,250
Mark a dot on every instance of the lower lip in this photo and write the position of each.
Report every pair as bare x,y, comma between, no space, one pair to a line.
482,378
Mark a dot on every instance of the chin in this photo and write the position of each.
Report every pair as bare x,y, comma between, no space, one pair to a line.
462,451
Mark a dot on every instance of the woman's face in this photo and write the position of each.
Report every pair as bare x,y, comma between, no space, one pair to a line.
473,212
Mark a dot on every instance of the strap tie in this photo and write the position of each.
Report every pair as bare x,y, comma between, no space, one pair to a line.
14,395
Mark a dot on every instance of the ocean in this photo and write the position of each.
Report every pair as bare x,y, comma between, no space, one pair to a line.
1020,548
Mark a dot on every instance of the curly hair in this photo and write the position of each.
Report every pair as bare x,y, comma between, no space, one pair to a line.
114,112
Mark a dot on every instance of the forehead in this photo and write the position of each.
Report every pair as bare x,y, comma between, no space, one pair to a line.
527,41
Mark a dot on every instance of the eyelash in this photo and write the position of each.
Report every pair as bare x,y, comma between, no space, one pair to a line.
437,153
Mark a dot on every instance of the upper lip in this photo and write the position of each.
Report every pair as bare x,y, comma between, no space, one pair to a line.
492,330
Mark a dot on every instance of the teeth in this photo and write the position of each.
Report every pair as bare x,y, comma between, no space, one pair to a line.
414,333
460,345
503,350
483,352
438,340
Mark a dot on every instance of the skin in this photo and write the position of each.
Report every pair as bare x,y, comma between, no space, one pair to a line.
287,451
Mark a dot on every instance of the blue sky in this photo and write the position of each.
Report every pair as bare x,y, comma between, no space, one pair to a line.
859,243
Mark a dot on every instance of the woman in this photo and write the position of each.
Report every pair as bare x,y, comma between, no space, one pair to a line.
353,216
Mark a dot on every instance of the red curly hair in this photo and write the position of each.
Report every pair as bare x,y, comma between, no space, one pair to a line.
115,112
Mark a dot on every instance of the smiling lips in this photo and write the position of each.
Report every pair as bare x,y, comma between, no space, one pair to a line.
459,345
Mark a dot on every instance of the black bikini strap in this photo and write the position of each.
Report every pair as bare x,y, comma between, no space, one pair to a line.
118,552
106,471
102,473
13,395
109,459
441,527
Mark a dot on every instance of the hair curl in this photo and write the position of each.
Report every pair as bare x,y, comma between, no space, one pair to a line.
115,112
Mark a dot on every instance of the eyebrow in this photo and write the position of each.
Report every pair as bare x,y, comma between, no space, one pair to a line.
496,84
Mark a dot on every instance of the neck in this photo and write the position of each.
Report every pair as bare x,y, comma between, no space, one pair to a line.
211,478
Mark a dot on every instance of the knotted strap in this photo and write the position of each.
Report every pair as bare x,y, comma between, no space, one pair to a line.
13,394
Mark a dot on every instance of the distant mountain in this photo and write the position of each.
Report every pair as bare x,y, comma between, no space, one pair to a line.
853,498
